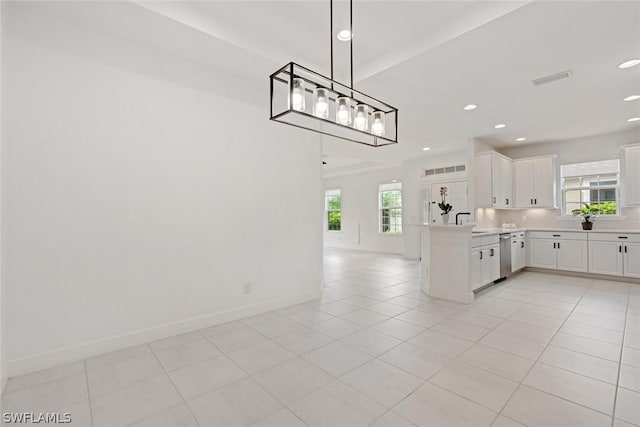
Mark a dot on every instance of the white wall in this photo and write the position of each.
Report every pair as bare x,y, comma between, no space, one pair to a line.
599,147
135,206
3,347
413,182
360,223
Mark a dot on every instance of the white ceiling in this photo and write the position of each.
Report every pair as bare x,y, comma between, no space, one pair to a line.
428,58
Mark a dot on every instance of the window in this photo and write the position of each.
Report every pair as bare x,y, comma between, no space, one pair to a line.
593,183
390,205
333,209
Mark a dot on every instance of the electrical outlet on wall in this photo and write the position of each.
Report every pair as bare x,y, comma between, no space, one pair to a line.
247,288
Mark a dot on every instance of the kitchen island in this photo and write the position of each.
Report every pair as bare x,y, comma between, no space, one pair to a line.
446,262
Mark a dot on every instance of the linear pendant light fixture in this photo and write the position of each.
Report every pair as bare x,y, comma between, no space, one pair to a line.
303,98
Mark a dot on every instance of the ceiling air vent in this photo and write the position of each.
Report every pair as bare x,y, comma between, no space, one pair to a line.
447,169
552,78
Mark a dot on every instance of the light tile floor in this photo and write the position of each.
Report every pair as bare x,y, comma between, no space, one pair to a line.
535,350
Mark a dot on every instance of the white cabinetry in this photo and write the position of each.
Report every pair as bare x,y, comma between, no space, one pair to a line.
558,251
631,177
614,254
494,180
518,251
485,261
535,185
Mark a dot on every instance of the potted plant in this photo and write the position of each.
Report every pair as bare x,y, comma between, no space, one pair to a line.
444,206
587,212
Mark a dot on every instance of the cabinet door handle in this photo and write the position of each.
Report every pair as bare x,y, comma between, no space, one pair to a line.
522,244
625,249
554,245
507,201
535,201
558,245
556,235
531,201
623,237
494,199
480,254
491,252
620,248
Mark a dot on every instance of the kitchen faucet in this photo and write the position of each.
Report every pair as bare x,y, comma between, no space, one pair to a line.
461,213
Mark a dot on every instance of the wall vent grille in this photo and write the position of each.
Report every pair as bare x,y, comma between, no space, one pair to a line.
447,169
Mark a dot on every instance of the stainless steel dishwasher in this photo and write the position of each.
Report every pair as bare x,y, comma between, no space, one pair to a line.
505,255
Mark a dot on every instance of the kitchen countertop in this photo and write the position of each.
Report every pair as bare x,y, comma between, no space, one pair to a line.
492,231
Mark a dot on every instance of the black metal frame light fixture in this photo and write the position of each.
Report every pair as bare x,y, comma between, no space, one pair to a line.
303,98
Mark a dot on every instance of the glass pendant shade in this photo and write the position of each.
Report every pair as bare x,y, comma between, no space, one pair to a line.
377,127
297,95
321,103
361,119
343,110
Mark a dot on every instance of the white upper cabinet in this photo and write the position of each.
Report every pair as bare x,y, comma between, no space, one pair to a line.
631,177
493,173
535,182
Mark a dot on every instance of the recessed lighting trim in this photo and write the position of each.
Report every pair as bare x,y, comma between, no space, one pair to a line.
345,35
633,119
394,180
500,126
521,139
630,63
426,149
470,107
632,97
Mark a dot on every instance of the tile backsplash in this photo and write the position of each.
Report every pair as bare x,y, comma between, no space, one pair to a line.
549,218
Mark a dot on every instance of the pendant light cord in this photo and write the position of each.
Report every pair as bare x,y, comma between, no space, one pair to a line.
351,38
331,36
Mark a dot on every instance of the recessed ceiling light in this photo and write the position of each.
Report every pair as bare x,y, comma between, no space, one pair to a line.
345,35
521,139
633,119
500,126
632,98
426,149
394,180
629,64
470,107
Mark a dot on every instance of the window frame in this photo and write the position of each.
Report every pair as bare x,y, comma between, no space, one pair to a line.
385,188
598,177
327,210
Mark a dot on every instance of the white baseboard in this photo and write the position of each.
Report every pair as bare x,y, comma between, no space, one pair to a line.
36,362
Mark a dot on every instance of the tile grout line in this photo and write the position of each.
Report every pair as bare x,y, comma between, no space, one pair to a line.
86,378
615,394
546,346
456,358
184,402
520,383
250,376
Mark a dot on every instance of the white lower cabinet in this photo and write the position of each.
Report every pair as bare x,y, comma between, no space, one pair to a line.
485,265
559,251
542,253
632,260
605,258
614,254
572,255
